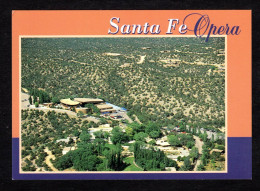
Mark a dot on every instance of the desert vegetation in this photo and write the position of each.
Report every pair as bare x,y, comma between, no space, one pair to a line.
191,91
173,90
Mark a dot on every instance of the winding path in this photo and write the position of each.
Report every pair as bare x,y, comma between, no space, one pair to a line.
48,159
198,143
136,118
137,165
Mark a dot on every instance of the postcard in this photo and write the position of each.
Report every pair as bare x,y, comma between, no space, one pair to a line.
116,95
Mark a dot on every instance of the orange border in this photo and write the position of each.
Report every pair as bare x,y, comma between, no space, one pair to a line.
97,23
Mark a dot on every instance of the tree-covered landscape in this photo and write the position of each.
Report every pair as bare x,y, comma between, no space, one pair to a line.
173,90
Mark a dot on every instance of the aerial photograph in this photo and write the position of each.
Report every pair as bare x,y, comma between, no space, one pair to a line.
123,104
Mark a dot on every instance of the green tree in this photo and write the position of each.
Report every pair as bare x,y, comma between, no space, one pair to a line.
212,138
182,128
204,136
115,161
140,136
194,153
154,134
152,142
118,136
36,104
84,137
213,162
114,123
201,167
173,140
30,100
190,144
55,100
203,159
187,164
129,132
70,141
80,114
152,127
103,121
106,135
137,127
213,68
99,134
76,133
34,98
40,98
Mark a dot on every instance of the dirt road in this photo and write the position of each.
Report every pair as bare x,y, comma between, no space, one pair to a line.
124,115
136,118
196,165
198,144
24,100
48,159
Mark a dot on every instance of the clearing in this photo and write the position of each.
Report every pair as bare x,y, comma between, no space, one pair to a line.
132,166
141,59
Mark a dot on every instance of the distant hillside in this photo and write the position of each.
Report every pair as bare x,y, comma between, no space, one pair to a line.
163,80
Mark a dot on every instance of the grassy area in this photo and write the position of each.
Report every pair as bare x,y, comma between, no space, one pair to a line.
180,163
129,161
218,165
70,169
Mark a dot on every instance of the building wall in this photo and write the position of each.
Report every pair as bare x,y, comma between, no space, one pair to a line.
84,110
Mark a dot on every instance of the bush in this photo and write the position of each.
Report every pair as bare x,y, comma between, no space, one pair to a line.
220,147
152,142
36,104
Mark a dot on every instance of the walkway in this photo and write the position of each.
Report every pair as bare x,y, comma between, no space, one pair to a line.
137,165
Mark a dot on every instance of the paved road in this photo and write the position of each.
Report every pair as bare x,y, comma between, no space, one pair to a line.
124,115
